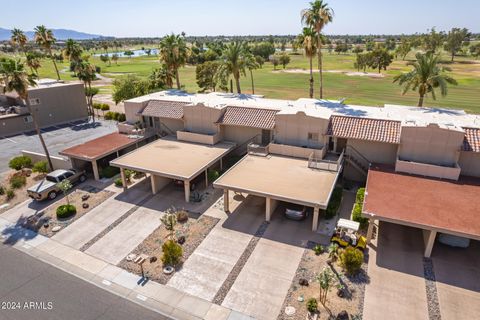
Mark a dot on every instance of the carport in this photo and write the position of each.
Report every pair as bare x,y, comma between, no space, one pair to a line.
168,158
113,144
431,204
279,178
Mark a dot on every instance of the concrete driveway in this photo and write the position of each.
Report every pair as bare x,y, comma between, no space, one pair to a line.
397,286
206,269
457,272
98,219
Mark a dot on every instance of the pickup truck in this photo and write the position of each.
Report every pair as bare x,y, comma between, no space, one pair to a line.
48,189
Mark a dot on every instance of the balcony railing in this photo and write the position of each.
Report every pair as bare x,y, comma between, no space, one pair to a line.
315,162
209,139
429,170
257,149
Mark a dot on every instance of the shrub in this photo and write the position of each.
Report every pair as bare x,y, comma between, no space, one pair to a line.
2,190
109,172
109,115
213,175
334,203
104,107
10,194
357,215
17,181
66,211
318,249
40,167
20,162
118,182
312,305
182,216
351,260
360,196
129,174
172,253
121,117
97,105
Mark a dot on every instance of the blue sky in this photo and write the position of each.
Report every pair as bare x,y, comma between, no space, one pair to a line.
231,17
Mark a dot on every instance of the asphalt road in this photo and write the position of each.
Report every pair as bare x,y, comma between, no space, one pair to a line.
44,292
57,138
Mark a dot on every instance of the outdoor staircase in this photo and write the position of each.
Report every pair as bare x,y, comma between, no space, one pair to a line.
357,160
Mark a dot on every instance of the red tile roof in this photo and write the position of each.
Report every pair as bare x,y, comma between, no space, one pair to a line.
164,109
99,147
364,129
419,201
249,117
472,140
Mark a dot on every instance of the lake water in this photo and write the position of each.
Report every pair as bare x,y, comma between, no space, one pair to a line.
136,53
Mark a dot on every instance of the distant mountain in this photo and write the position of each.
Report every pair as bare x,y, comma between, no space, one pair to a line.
60,34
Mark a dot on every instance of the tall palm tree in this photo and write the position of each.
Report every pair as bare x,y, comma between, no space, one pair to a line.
73,52
86,73
233,62
307,41
15,78
173,52
251,64
317,16
44,38
425,77
18,39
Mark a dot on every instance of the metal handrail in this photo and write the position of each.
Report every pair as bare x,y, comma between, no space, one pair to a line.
358,154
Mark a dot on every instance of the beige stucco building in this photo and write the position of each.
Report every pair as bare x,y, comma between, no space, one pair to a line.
53,102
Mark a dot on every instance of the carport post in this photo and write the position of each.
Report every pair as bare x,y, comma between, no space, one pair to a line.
96,174
268,209
316,212
226,201
429,239
186,185
221,164
124,179
206,178
370,230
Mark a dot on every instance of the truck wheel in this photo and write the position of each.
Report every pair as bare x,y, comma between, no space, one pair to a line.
82,178
52,195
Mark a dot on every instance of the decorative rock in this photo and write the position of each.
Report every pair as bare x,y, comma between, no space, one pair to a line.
153,259
168,270
181,240
303,282
85,205
341,293
131,257
56,228
85,197
343,315
46,225
290,311
300,298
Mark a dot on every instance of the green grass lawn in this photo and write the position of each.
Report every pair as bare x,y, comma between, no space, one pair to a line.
282,85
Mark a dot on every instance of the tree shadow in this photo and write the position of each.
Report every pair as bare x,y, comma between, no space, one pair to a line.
17,232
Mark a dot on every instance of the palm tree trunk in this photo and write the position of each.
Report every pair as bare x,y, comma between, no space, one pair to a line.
253,85
54,64
420,101
39,133
311,77
237,83
177,78
90,100
320,67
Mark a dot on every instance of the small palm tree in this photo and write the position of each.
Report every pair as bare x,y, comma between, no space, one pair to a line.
425,77
86,73
73,51
14,78
317,16
234,62
251,64
44,38
307,40
18,39
174,52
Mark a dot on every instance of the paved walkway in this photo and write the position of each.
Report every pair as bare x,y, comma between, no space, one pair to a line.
99,218
206,269
263,283
397,286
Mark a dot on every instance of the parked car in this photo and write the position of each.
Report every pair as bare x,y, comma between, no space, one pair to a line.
48,189
296,212
346,234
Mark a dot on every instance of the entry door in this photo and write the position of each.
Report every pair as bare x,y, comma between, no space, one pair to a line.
156,123
266,137
341,144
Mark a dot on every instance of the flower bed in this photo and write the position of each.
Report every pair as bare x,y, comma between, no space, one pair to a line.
194,231
310,265
46,221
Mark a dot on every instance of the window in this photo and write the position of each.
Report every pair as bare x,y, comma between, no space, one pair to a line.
34,101
68,174
313,136
27,119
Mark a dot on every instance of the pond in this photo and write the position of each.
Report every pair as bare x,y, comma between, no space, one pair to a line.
136,53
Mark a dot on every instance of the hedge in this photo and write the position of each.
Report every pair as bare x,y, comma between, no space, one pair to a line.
20,162
109,172
66,211
357,208
334,203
